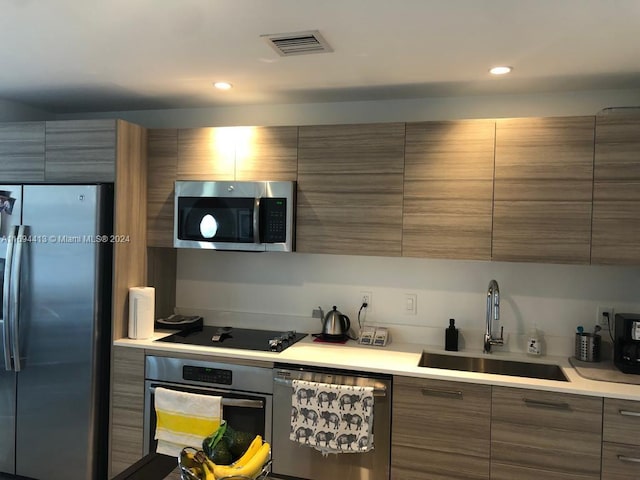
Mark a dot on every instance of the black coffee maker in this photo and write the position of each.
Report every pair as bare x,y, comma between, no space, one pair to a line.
626,347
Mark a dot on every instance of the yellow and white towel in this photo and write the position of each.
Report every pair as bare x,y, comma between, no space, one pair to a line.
184,419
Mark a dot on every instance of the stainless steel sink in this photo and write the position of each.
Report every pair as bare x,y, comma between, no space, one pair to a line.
493,365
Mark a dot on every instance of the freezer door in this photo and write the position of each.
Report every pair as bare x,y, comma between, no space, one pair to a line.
7,421
10,213
59,312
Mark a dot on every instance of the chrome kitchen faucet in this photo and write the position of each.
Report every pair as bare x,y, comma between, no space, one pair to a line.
493,313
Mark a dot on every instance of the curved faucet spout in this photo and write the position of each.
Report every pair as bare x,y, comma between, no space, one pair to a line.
493,313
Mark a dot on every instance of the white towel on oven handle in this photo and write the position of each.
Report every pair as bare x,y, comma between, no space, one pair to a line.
332,418
184,419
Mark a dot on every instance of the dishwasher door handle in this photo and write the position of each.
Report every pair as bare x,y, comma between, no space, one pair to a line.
378,391
234,402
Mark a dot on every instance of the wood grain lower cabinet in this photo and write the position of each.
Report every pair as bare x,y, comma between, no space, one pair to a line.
543,188
350,182
621,440
440,430
537,434
620,461
127,408
448,189
22,152
616,189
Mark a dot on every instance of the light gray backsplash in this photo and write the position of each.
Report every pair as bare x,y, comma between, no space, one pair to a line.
274,290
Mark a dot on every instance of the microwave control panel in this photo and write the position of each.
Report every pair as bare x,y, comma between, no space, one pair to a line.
207,375
274,220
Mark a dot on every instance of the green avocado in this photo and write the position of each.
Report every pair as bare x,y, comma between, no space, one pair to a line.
237,442
221,454
226,445
214,448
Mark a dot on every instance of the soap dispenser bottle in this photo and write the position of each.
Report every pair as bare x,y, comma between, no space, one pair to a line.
533,342
451,337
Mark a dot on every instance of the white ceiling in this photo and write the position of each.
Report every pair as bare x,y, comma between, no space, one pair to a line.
102,55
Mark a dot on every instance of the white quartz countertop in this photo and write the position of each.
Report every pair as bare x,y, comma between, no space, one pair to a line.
398,359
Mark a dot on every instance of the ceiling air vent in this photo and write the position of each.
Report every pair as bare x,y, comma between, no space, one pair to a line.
298,43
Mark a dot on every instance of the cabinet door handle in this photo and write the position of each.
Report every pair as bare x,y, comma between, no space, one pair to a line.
624,458
430,392
543,404
628,413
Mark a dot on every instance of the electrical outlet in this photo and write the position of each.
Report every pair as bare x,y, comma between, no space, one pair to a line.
365,297
601,318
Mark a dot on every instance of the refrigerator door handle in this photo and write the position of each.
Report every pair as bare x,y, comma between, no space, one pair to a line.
6,289
15,297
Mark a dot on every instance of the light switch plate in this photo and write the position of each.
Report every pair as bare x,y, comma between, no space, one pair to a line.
410,304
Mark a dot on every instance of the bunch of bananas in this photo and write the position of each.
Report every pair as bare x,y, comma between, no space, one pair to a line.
249,465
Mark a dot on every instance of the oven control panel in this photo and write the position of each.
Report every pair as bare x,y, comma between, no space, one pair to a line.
207,374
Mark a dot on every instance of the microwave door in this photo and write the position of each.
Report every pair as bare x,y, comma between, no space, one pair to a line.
219,223
256,222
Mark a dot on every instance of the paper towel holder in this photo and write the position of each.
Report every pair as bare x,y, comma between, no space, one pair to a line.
141,312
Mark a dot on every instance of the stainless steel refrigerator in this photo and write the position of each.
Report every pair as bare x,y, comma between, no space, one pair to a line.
55,258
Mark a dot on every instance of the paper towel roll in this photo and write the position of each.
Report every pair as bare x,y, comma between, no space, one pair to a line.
141,312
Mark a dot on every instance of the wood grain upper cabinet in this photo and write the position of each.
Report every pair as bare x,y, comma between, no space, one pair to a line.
127,408
206,153
162,162
350,180
237,153
543,189
22,152
448,189
267,153
440,429
616,196
537,434
81,151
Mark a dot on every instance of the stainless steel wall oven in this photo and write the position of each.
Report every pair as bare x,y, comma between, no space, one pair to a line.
246,391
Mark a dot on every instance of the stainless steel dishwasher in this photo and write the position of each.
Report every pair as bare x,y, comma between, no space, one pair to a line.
292,460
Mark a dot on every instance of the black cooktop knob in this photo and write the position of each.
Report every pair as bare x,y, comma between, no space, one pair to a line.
275,345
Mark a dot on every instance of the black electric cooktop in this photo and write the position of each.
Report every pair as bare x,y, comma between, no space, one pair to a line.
241,338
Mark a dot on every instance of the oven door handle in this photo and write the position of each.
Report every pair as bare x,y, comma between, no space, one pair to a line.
234,402
378,391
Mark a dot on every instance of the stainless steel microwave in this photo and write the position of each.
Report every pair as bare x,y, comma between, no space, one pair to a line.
244,216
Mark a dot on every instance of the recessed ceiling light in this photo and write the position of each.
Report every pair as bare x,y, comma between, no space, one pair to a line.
222,85
500,70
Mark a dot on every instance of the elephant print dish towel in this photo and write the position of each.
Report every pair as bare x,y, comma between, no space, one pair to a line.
332,418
